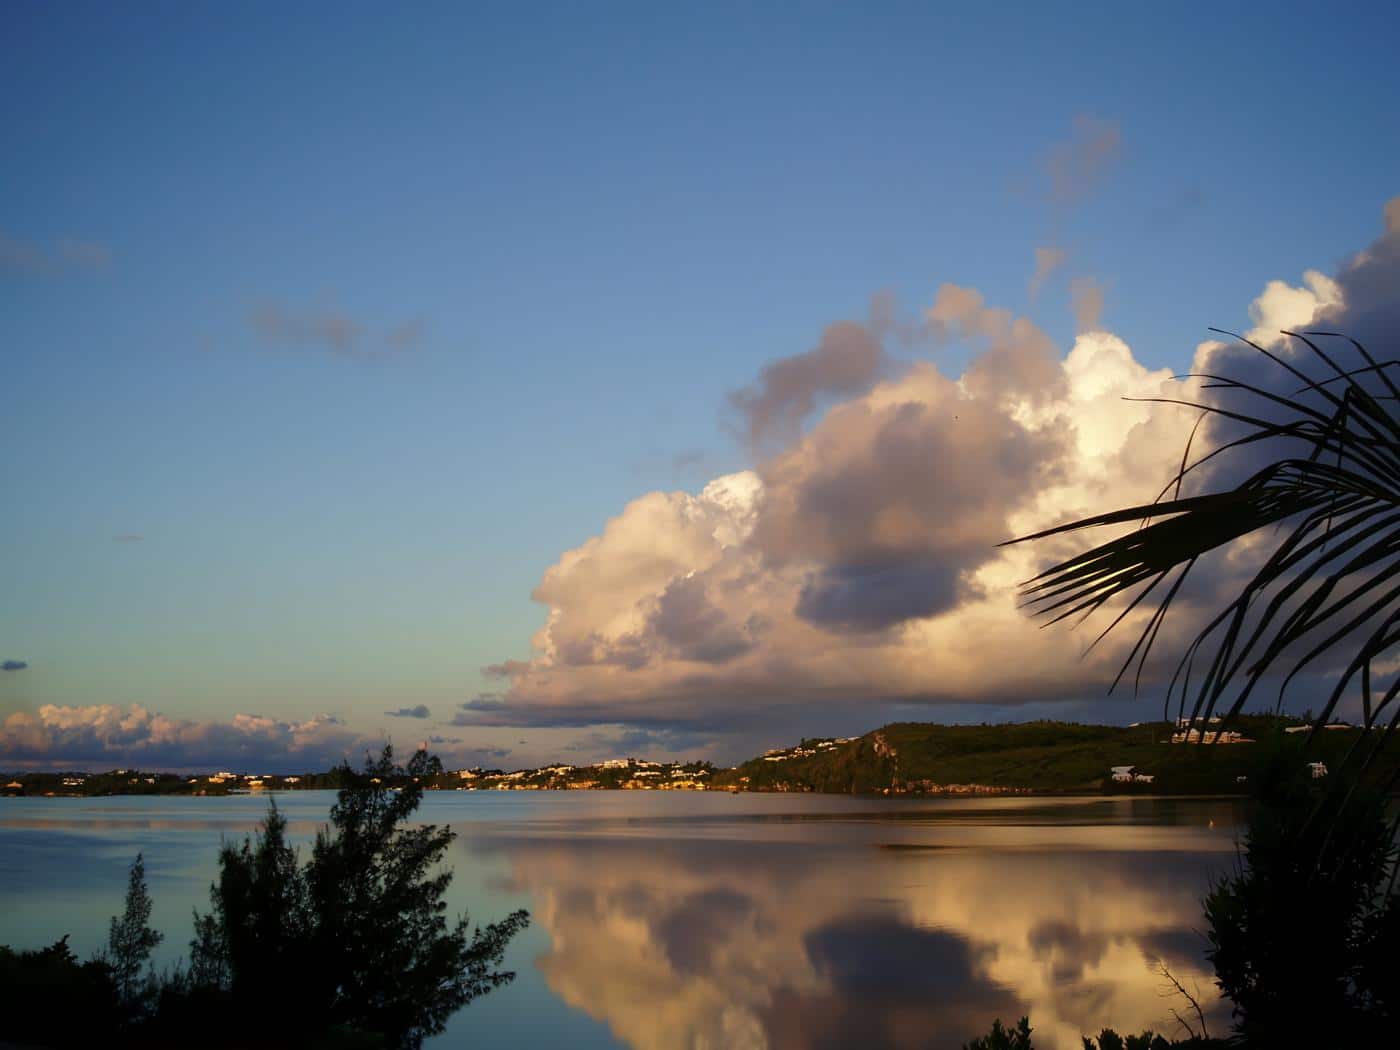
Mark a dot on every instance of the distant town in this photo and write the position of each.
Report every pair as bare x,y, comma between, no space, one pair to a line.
627,774
914,759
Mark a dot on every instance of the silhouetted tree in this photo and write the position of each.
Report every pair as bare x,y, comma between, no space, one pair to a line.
130,938
209,965
357,939
999,1038
1019,1038
390,961
260,927
1303,967
49,998
1110,1040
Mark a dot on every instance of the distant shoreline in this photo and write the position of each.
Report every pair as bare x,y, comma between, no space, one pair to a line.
909,759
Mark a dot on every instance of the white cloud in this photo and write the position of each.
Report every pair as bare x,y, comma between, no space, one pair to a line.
861,561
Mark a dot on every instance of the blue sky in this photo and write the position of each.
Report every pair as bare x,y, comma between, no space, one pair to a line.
359,317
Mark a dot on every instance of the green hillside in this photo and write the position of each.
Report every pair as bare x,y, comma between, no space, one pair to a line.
920,758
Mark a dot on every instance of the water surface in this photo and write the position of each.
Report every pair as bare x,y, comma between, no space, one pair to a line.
717,920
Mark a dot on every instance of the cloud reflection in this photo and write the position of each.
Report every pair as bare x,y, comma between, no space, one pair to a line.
713,943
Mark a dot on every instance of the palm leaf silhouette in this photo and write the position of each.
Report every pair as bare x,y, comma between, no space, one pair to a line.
1328,593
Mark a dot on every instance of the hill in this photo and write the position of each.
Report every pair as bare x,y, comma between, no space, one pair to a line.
927,758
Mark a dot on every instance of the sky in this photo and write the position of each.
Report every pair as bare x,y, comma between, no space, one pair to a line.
552,383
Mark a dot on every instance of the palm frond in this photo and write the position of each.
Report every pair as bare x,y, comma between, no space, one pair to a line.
1329,587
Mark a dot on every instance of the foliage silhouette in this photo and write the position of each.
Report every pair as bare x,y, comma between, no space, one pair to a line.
381,934
1276,943
130,939
363,924
260,926
999,1038
48,997
1019,1038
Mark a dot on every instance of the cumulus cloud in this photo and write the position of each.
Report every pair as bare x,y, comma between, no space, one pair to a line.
13,665
860,561
33,258
857,563
104,736
848,358
331,330
1018,361
418,711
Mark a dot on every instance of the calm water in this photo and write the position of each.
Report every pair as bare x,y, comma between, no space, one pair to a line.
669,920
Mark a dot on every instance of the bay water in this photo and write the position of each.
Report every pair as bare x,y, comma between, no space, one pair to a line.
672,920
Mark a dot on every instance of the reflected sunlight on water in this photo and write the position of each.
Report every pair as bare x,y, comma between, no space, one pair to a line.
729,921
